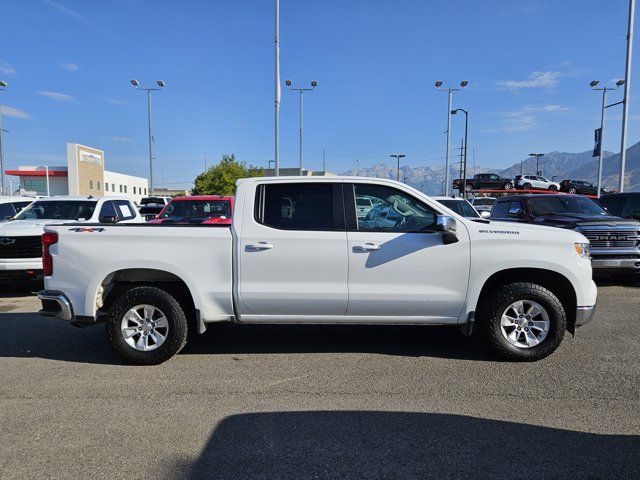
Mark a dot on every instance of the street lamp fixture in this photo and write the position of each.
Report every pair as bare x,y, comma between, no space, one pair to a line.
3,84
301,90
137,86
449,91
466,131
398,156
593,84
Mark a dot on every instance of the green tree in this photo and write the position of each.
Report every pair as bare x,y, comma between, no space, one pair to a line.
221,179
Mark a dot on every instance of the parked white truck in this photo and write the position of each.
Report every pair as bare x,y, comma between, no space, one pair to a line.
518,287
20,237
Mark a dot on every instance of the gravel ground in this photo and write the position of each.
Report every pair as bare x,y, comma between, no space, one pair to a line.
277,402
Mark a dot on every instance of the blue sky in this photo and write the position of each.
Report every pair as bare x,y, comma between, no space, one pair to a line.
528,62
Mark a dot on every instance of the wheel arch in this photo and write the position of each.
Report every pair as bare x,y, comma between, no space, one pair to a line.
553,281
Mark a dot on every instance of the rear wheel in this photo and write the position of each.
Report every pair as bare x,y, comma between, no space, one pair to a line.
147,326
522,322
527,186
468,187
572,190
508,186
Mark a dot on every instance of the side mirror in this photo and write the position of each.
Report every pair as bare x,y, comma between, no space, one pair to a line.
109,219
486,214
447,225
149,217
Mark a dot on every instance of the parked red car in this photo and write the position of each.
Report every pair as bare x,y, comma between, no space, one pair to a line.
203,209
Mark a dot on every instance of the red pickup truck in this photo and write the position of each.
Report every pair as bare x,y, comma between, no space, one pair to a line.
204,209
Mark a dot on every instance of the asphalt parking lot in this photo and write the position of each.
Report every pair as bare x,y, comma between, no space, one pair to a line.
276,402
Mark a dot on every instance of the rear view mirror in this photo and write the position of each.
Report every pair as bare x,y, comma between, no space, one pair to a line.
109,219
517,214
447,225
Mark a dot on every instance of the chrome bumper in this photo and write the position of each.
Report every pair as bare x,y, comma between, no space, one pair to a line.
584,315
55,304
615,263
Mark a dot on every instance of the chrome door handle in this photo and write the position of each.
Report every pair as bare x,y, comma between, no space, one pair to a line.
366,247
260,246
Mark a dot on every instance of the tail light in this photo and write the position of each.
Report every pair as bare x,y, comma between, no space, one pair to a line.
48,239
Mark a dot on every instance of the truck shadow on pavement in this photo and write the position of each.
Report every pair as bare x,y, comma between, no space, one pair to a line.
30,335
381,444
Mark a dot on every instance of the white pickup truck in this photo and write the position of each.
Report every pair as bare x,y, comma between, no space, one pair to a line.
20,244
518,287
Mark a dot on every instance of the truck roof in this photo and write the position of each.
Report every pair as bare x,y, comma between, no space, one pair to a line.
202,197
63,198
334,179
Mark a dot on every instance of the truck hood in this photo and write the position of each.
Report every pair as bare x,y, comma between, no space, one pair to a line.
510,230
25,227
575,220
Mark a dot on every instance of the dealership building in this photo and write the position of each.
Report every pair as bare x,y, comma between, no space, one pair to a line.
83,175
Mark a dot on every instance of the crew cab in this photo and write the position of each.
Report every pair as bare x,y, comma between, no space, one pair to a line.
483,181
20,247
517,287
615,242
205,209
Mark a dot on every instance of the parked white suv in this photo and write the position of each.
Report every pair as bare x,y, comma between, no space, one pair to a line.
20,245
535,182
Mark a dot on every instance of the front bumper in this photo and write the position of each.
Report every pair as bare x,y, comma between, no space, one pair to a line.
584,315
56,304
604,263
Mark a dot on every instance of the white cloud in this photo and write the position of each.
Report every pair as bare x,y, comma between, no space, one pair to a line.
71,67
7,69
548,79
62,97
76,16
14,112
115,138
524,118
545,108
115,101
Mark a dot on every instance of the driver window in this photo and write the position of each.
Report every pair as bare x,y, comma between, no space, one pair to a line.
392,211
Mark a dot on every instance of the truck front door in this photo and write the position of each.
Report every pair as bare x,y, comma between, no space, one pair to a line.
399,266
292,257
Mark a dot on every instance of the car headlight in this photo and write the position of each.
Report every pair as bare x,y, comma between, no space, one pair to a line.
583,249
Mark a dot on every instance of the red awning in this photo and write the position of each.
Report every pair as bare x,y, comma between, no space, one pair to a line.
37,173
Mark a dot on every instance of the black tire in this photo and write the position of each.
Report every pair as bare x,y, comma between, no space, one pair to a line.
553,188
469,187
527,186
508,186
572,190
177,333
490,314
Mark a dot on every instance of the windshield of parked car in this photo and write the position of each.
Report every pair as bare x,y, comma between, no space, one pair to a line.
198,209
461,207
58,210
484,201
561,205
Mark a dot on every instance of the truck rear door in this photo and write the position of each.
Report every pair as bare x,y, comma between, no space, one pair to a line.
292,253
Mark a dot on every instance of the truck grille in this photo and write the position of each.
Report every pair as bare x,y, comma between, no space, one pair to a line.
612,237
20,247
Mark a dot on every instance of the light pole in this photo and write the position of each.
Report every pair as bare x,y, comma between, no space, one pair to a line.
277,93
3,85
398,156
314,84
593,84
627,92
537,155
161,85
449,91
466,131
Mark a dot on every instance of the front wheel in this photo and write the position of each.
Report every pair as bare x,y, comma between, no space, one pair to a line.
468,187
147,326
522,322
552,188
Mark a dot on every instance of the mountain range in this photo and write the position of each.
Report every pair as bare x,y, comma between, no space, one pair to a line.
554,165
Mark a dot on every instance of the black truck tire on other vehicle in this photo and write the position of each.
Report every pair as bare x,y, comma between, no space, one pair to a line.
508,186
552,188
168,311
490,315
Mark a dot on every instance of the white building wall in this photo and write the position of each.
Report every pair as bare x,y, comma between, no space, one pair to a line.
121,185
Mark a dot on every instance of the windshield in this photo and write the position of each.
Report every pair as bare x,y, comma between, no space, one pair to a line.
484,201
198,209
542,206
363,202
58,210
461,207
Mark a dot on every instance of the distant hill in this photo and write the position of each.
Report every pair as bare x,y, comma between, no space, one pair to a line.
577,166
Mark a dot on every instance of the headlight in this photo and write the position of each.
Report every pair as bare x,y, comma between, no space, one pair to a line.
583,249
